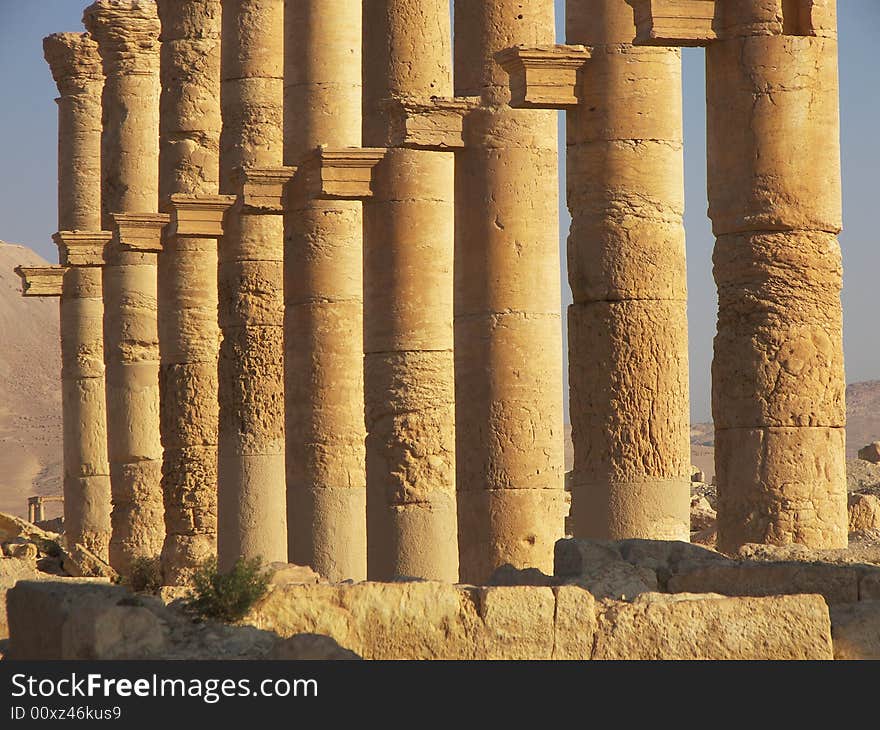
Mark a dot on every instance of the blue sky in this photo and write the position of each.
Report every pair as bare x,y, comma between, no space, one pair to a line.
28,179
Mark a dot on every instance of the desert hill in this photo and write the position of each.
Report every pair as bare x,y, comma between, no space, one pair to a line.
30,391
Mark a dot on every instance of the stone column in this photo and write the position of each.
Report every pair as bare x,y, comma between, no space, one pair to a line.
627,327
76,68
127,32
775,204
251,480
508,335
326,474
408,284
189,335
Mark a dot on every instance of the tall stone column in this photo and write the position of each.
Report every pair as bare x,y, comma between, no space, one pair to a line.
76,68
408,311
775,203
189,334
251,480
127,32
627,327
326,473
508,335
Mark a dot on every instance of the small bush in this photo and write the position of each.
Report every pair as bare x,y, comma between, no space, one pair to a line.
227,596
144,575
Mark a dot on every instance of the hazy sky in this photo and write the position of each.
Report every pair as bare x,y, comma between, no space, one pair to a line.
28,179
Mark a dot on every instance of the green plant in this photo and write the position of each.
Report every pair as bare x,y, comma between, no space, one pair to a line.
144,575
227,596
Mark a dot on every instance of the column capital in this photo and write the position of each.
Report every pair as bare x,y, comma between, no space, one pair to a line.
437,124
127,32
263,190
701,22
338,174
82,248
74,61
544,77
41,281
198,216
139,231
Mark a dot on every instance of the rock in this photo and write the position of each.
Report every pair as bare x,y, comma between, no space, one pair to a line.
659,626
14,528
517,622
703,517
707,538
621,581
869,586
22,551
572,557
836,583
862,476
283,574
864,512
96,630
507,575
12,570
698,475
305,647
665,555
855,630
79,562
871,452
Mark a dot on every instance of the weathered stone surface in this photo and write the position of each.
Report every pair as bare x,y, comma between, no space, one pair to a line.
79,562
657,626
837,583
12,570
855,630
864,512
871,452
282,574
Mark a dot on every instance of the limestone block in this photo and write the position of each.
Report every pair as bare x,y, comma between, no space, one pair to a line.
545,77
676,22
871,452
855,630
774,162
251,294
869,586
837,583
781,485
864,512
12,570
575,557
518,622
687,626
575,623
137,516
192,387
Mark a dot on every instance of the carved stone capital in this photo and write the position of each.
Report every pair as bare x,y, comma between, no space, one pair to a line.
546,77
263,190
140,231
74,61
434,125
199,216
127,32
82,248
338,174
41,281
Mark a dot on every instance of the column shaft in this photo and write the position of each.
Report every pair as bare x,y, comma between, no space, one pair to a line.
127,32
408,311
76,67
775,203
508,337
627,327
189,334
251,479
326,473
